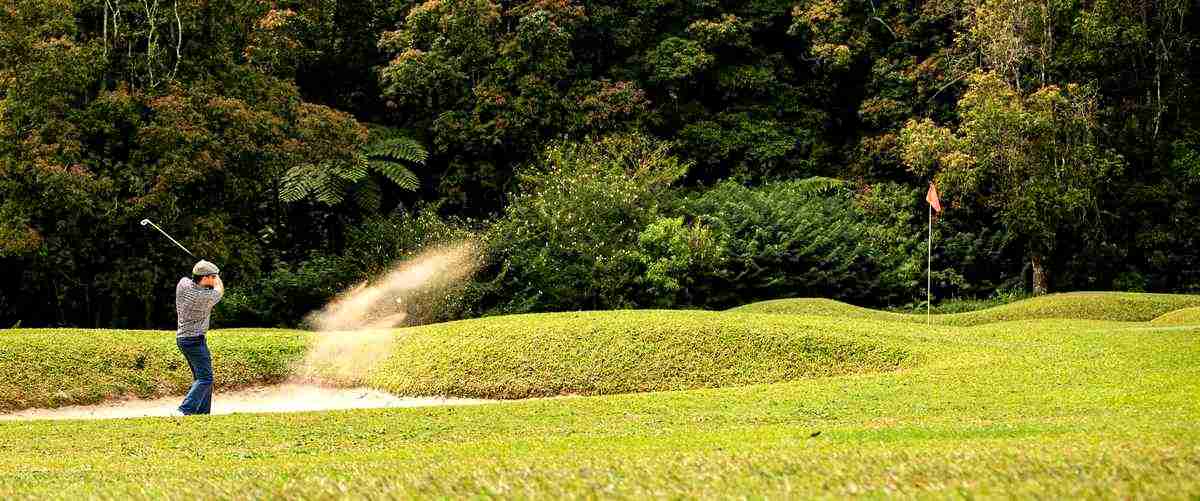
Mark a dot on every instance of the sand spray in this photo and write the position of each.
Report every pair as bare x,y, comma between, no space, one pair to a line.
356,330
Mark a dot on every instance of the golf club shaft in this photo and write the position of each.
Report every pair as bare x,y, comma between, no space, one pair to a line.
160,230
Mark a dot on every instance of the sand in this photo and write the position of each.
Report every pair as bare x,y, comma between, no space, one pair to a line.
278,398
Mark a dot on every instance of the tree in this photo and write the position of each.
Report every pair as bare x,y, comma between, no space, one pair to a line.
1032,157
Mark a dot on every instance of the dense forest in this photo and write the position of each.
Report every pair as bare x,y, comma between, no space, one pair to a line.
607,153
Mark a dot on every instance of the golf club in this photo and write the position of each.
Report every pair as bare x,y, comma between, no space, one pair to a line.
160,230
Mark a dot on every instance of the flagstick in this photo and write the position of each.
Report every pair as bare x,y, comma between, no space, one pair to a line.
929,269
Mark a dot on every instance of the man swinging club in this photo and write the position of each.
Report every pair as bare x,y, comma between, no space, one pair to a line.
194,301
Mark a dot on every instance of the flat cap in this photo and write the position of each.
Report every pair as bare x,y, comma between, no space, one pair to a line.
205,268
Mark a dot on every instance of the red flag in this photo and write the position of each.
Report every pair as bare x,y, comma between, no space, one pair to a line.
932,198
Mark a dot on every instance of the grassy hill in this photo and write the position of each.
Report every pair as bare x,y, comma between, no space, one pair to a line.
1183,316
1117,306
1047,408
596,353
57,367
590,353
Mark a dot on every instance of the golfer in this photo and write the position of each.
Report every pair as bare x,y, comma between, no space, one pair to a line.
194,301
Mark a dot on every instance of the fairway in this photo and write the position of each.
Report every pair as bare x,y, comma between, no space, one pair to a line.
1043,407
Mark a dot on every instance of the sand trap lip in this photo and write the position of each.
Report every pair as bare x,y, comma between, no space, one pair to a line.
263,399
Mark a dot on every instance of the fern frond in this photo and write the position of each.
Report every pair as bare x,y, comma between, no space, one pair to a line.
818,185
295,184
354,171
397,173
367,196
398,149
329,190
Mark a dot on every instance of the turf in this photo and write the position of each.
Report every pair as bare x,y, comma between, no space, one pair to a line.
1183,316
57,367
1046,408
597,353
1117,306
591,353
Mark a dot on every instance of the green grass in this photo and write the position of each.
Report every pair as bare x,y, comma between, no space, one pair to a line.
596,353
57,367
1117,306
591,353
1183,316
1047,408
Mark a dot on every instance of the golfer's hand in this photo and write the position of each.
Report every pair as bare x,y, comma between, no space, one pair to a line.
218,285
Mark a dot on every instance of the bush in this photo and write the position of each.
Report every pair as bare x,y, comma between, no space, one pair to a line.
284,296
569,239
673,255
1130,281
795,238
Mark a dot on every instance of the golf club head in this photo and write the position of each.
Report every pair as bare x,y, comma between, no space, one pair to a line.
145,222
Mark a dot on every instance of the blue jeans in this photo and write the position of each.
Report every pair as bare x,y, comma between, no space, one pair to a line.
199,398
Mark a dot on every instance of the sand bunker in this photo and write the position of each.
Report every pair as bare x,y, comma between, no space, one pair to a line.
279,398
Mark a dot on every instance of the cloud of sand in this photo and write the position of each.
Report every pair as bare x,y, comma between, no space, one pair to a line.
355,329
390,300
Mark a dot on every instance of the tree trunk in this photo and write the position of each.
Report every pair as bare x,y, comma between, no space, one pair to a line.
1041,282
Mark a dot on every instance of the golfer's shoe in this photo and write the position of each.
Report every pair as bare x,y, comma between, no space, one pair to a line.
177,413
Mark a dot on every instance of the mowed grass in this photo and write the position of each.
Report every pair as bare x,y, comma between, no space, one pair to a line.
1118,306
591,353
57,367
598,353
1184,316
1048,408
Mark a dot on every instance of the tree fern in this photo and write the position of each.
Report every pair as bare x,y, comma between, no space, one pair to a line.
389,154
398,149
297,183
366,196
397,173
818,185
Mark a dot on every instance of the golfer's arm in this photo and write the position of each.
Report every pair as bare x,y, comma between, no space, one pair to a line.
219,286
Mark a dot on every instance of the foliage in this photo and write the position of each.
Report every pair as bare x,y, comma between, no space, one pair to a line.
194,113
1033,158
386,154
673,254
567,240
803,237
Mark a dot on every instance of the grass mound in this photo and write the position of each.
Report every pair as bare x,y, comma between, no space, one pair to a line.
1182,316
820,307
58,367
1116,306
593,353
